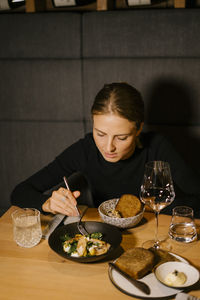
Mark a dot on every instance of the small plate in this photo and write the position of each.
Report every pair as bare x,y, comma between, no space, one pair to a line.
158,290
111,235
192,274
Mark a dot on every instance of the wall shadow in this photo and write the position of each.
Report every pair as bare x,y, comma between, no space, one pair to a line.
170,110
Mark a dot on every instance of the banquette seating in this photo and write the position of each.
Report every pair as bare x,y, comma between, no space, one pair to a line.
53,64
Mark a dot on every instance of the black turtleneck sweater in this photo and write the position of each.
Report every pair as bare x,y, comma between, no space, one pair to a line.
110,180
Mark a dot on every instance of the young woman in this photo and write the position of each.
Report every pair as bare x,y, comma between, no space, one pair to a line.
111,158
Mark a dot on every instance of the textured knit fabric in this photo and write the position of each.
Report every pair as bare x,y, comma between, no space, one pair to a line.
109,180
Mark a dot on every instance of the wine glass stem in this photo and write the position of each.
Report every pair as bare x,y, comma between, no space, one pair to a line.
156,245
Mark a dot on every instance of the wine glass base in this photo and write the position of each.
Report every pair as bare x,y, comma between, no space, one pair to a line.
161,244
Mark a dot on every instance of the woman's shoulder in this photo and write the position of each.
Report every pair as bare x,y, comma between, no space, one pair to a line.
87,141
88,137
80,146
77,153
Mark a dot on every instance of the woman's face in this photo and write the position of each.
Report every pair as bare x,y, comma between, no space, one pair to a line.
115,137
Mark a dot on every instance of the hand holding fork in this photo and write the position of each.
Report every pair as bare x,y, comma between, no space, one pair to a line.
80,226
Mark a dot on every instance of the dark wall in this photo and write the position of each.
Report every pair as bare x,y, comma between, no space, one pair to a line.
53,64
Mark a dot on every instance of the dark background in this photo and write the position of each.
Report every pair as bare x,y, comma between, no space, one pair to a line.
53,64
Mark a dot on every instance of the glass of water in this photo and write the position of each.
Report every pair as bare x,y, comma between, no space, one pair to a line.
182,227
27,230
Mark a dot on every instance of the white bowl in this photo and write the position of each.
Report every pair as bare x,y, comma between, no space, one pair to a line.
119,222
192,274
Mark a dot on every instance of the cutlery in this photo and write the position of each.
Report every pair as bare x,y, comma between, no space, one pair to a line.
138,284
57,219
184,296
80,226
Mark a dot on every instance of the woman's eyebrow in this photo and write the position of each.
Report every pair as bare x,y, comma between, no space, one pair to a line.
99,130
121,134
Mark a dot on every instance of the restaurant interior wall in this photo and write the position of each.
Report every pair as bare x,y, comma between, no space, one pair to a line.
53,64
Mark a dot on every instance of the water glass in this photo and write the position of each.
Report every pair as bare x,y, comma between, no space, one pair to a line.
27,230
182,227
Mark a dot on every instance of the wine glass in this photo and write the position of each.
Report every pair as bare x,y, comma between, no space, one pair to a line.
157,192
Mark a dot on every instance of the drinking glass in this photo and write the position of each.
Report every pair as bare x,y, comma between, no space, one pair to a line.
182,227
157,192
27,230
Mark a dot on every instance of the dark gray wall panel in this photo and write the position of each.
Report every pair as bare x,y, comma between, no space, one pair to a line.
41,90
28,146
141,33
186,140
170,87
52,63
40,35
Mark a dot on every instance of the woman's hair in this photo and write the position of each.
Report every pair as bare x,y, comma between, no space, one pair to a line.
122,99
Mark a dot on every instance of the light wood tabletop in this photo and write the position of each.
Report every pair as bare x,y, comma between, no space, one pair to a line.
40,273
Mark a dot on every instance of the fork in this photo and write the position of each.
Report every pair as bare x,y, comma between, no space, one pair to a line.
80,226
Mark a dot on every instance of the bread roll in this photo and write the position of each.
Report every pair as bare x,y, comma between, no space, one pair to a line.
128,206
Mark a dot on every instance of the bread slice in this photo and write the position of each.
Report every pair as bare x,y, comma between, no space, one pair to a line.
162,256
136,262
128,206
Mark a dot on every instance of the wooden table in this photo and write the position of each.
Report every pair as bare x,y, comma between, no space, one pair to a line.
39,273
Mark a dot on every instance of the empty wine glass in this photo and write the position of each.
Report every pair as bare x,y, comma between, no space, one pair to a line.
157,192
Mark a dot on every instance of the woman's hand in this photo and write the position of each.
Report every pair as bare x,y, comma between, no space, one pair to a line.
62,201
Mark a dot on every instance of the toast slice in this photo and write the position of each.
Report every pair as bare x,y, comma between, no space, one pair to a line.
128,206
136,262
162,256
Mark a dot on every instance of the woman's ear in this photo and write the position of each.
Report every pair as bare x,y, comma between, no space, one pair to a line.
140,129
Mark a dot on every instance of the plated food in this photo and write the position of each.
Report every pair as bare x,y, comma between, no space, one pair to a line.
124,212
162,256
85,245
175,278
128,206
158,289
136,262
177,274
110,235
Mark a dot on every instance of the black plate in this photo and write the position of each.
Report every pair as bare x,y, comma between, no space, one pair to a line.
111,235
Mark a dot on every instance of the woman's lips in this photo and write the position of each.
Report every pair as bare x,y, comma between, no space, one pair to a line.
110,155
